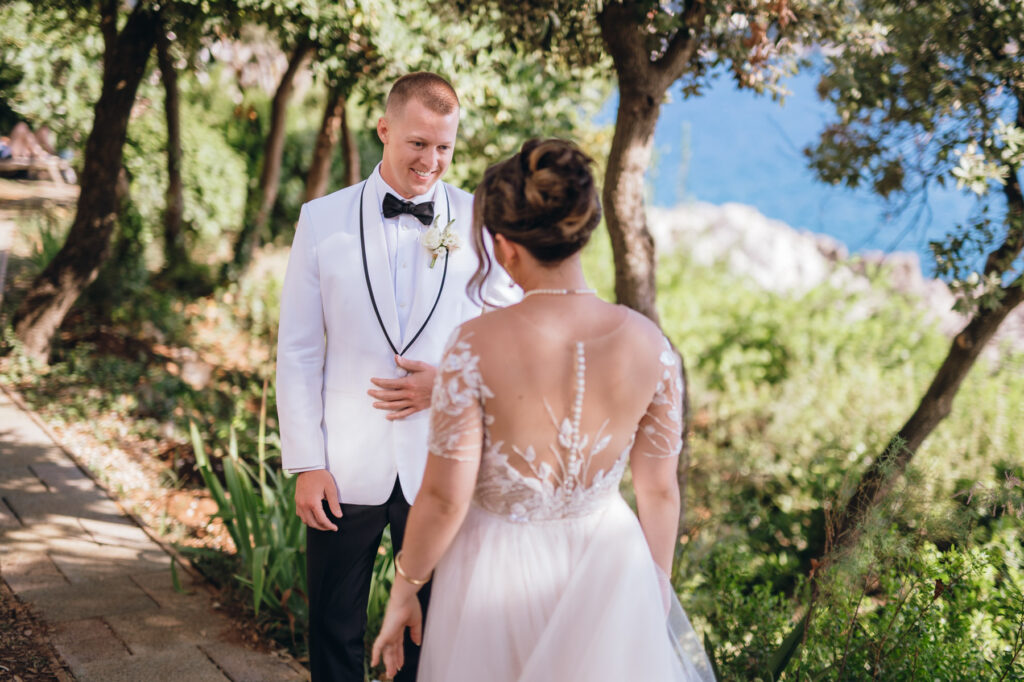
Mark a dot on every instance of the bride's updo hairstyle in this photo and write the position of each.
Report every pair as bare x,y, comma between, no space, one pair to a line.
543,198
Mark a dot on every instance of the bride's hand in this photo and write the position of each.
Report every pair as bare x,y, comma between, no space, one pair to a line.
389,645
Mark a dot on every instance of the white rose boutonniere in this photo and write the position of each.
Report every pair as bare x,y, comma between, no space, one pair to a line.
438,240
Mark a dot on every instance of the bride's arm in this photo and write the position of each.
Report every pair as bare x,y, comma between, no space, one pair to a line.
654,460
657,505
455,443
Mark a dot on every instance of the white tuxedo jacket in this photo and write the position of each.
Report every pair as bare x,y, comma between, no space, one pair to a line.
330,341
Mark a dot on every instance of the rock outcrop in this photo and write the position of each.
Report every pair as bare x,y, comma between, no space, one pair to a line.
778,258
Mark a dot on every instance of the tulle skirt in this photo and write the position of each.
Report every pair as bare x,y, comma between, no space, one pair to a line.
569,599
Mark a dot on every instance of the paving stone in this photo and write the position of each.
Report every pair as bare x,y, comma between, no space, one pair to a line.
122,533
55,526
88,600
240,663
83,560
8,521
160,586
16,477
18,541
151,631
103,586
80,642
20,432
170,665
28,570
87,504
62,477
27,444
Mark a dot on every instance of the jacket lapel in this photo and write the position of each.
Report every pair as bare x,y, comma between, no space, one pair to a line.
428,279
378,264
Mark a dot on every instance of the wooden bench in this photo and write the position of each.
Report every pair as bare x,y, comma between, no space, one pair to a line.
52,166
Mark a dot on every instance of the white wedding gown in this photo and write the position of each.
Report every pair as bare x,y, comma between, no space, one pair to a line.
550,576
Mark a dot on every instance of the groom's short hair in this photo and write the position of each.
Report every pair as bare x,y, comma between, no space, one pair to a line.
434,92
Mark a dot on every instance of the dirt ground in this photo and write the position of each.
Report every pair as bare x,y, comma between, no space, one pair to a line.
25,651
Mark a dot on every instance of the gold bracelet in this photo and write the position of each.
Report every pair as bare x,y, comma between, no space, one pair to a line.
405,576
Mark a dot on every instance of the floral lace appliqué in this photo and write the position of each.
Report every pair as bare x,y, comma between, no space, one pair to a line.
516,482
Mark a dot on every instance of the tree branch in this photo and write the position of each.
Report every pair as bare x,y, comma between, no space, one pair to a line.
683,44
1000,259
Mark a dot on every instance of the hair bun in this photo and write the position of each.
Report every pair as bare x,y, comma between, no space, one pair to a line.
558,189
544,198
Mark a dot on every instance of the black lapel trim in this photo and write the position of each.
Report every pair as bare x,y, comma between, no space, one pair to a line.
369,287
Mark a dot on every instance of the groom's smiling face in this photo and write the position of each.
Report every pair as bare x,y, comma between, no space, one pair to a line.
418,146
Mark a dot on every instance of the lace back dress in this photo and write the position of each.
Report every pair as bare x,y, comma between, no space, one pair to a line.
550,576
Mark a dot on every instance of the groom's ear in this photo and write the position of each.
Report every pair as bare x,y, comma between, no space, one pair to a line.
382,130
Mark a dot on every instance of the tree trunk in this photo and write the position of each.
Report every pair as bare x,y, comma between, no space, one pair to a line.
625,213
350,150
642,87
270,177
326,141
55,290
175,253
938,399
643,82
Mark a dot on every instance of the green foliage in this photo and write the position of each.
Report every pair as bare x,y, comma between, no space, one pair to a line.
380,589
213,172
931,94
507,96
920,612
757,44
258,509
770,457
302,129
49,73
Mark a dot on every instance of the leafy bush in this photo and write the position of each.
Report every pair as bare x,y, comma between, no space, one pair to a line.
214,178
257,505
258,510
791,397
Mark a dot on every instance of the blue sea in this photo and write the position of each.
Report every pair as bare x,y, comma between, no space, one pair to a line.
735,146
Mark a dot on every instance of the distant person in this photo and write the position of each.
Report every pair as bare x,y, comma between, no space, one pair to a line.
24,145
5,147
46,140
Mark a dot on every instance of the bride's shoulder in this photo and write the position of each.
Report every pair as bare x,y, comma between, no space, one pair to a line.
642,330
487,324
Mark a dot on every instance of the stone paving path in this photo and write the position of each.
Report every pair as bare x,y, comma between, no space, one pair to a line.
100,582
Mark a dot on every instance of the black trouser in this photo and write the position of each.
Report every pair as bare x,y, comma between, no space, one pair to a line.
339,565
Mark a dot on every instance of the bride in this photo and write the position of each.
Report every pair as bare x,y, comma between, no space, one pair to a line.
540,569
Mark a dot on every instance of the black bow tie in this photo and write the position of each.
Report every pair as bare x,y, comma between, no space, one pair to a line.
393,206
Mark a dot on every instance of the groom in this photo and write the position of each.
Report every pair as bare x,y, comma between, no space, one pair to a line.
366,308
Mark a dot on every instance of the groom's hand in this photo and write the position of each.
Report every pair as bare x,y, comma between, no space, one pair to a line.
311,489
405,395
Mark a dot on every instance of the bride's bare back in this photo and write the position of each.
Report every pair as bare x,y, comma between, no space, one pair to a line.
565,389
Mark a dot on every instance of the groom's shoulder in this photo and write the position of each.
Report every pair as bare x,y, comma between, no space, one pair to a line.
335,199
325,210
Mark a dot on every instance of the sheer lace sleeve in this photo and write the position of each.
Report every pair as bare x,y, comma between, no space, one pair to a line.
660,433
456,406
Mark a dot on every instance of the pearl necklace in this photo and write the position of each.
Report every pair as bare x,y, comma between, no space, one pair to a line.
558,292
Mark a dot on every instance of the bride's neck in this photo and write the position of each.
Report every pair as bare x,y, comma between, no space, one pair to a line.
566,275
